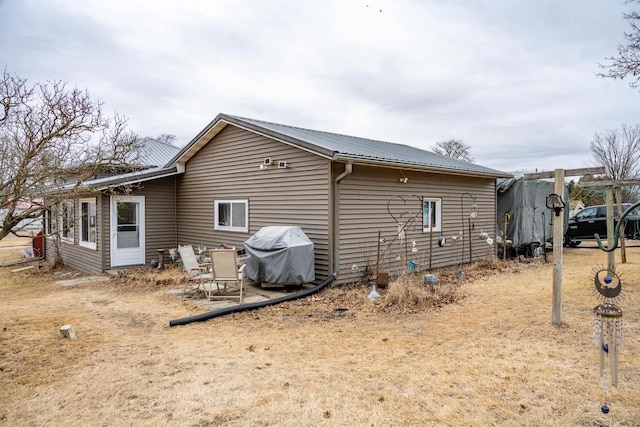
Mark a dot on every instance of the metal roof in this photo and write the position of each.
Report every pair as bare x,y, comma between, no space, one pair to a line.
342,147
155,161
154,153
126,178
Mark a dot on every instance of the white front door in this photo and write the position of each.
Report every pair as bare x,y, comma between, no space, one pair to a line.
127,230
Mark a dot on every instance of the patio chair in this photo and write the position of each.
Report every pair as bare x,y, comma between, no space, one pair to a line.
225,271
196,272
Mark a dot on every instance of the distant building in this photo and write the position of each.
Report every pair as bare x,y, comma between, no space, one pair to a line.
575,206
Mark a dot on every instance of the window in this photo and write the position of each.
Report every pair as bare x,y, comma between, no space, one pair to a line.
587,213
231,215
50,222
88,228
431,215
67,219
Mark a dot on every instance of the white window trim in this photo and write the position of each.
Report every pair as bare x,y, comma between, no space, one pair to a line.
217,226
438,202
88,245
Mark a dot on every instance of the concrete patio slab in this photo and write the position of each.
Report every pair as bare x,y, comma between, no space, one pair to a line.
253,293
82,280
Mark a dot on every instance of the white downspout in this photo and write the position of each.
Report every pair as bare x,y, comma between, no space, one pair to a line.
336,215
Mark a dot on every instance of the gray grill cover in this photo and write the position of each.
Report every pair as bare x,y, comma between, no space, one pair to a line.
281,255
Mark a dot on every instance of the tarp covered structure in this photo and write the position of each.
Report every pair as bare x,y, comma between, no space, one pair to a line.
280,255
525,202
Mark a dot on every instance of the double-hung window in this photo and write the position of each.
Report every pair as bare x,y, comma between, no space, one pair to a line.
88,226
231,215
431,215
67,219
50,221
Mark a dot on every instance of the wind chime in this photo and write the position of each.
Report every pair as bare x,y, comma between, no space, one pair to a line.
607,328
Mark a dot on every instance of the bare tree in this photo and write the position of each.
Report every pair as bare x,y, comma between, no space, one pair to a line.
627,63
167,138
453,148
619,152
52,139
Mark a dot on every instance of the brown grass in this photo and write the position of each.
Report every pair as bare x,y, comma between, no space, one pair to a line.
409,294
489,357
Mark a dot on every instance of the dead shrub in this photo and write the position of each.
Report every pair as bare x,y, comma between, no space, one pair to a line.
145,279
409,293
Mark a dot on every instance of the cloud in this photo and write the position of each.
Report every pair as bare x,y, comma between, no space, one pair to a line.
516,81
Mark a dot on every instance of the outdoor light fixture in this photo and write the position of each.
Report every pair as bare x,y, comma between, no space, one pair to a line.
555,202
263,167
403,178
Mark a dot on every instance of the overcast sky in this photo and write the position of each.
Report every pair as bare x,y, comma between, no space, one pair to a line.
513,79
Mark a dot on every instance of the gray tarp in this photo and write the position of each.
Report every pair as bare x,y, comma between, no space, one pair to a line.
281,255
525,201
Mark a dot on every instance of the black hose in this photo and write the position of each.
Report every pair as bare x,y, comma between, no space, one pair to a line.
252,306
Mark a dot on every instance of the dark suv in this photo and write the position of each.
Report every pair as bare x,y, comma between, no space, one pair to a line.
593,219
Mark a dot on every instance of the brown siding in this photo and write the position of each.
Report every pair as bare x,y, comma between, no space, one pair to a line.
75,256
364,196
228,168
160,221
160,230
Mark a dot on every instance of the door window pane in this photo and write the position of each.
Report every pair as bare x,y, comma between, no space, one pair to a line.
128,227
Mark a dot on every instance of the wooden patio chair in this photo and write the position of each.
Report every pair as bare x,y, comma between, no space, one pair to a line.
198,273
226,272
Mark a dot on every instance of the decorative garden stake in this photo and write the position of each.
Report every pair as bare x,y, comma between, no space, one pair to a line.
473,215
607,328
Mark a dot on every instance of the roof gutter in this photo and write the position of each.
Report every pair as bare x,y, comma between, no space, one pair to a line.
421,168
134,181
348,170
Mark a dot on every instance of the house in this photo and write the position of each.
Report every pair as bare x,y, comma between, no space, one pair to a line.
105,227
575,206
28,226
239,175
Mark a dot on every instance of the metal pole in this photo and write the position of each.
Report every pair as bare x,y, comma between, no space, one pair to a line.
544,237
378,257
611,259
470,245
430,238
623,248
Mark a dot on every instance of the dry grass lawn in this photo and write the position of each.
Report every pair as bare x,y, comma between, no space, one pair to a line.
492,357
